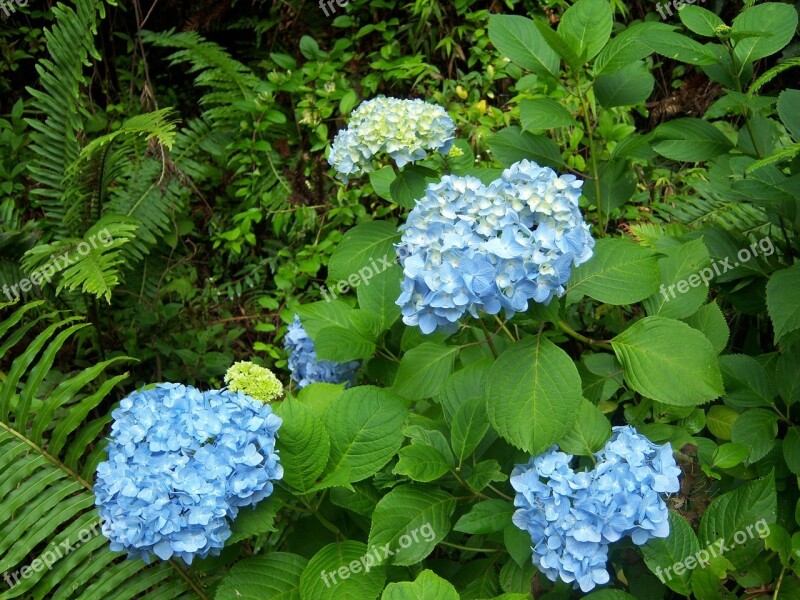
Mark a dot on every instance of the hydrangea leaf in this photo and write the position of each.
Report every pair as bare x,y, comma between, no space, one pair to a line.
756,429
487,516
710,320
360,246
586,27
303,444
518,39
511,145
731,513
412,519
364,425
337,572
341,344
660,554
423,370
669,361
535,394
783,301
682,290
274,575
379,293
620,272
468,427
421,463
589,432
428,586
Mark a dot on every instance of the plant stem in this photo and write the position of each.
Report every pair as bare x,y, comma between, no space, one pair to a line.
503,326
468,549
488,338
580,337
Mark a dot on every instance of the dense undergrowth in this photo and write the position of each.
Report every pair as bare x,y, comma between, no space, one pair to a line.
167,208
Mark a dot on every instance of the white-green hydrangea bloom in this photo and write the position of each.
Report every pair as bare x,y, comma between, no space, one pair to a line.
405,129
257,382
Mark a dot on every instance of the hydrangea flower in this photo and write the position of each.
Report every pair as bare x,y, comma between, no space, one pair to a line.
467,247
181,463
404,129
255,381
305,367
573,517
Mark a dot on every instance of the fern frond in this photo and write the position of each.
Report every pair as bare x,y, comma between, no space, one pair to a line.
706,210
90,264
45,484
70,43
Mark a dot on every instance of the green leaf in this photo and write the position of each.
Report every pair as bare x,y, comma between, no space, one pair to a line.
733,512
381,181
620,272
630,85
678,47
423,370
421,463
319,315
625,48
487,516
669,361
339,344
659,554
783,301
617,186
710,320
756,429
377,294
535,393
557,43
777,19
408,187
589,433
700,20
586,26
788,375
747,384
273,576
609,595
343,571
362,245
518,544
484,473
364,426
728,456
685,273
511,145
468,427
789,112
544,113
518,39
720,420
428,586
791,449
303,444
411,519
258,520
690,140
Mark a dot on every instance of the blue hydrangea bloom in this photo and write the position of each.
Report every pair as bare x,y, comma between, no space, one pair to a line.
305,367
404,129
467,247
573,517
181,463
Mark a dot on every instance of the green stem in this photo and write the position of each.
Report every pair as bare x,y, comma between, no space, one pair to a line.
580,337
503,326
488,338
593,157
499,493
468,549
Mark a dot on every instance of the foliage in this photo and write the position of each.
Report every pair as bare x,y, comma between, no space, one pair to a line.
226,221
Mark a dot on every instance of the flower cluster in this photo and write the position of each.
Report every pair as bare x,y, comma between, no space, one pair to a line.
467,247
181,463
305,367
404,129
255,381
573,517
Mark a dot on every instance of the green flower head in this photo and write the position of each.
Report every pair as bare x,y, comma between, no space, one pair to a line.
257,382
